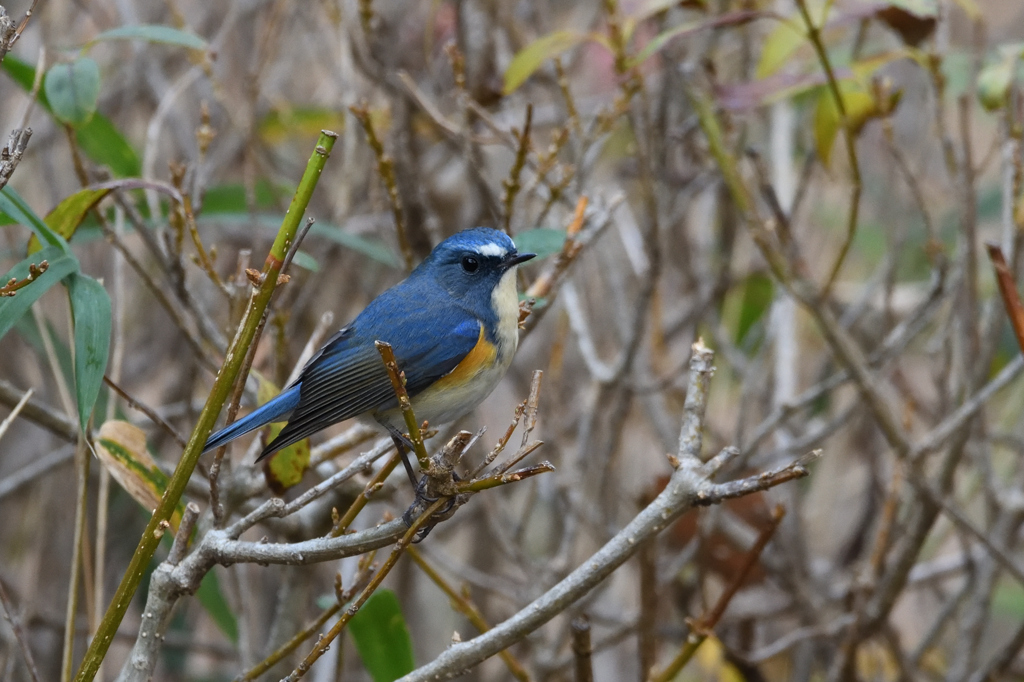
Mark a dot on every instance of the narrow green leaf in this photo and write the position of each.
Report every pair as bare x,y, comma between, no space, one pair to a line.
65,218
543,241
230,197
90,308
13,307
73,89
382,638
305,261
266,221
530,58
14,206
102,143
758,293
212,599
667,36
153,33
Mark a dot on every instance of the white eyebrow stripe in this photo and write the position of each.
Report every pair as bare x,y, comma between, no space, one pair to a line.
491,250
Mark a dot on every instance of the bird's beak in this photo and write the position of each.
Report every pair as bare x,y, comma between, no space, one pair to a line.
517,258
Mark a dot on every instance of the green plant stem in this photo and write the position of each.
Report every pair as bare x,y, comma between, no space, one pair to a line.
814,35
81,516
218,395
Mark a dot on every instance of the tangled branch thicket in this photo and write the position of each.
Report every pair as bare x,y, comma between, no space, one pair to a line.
761,229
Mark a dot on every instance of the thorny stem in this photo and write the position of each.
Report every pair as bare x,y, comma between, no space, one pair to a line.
207,418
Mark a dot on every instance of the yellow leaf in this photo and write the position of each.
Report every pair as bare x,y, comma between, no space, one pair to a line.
785,39
286,467
65,218
860,107
121,447
287,121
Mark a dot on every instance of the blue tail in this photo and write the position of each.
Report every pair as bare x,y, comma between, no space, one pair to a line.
278,409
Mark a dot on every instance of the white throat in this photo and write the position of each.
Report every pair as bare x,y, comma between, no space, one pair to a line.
505,302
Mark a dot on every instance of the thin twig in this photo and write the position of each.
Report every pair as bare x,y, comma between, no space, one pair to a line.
146,410
19,634
702,627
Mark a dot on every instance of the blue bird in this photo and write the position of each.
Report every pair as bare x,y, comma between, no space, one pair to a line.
453,324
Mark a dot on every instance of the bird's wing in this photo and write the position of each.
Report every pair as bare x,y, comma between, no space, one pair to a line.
348,378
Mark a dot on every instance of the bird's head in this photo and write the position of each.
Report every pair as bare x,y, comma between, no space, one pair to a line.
474,262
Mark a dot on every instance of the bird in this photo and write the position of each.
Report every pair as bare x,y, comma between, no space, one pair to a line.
453,325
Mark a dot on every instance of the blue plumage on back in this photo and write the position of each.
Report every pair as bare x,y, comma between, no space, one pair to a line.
433,320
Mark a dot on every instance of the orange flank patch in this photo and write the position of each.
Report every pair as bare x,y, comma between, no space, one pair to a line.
482,357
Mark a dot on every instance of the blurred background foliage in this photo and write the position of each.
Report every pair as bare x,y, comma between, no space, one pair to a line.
167,139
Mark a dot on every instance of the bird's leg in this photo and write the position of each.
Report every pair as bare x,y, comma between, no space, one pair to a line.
404,447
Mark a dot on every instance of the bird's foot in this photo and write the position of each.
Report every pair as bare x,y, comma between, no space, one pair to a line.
420,505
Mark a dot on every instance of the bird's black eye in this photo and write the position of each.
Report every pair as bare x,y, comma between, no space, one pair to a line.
470,264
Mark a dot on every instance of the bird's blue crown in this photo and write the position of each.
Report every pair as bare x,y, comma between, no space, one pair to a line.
483,240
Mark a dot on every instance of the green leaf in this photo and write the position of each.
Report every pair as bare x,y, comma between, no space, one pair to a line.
212,599
72,90
994,84
61,265
785,39
542,241
65,218
14,206
230,197
90,308
102,143
530,58
24,74
382,638
153,33
758,293
98,138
